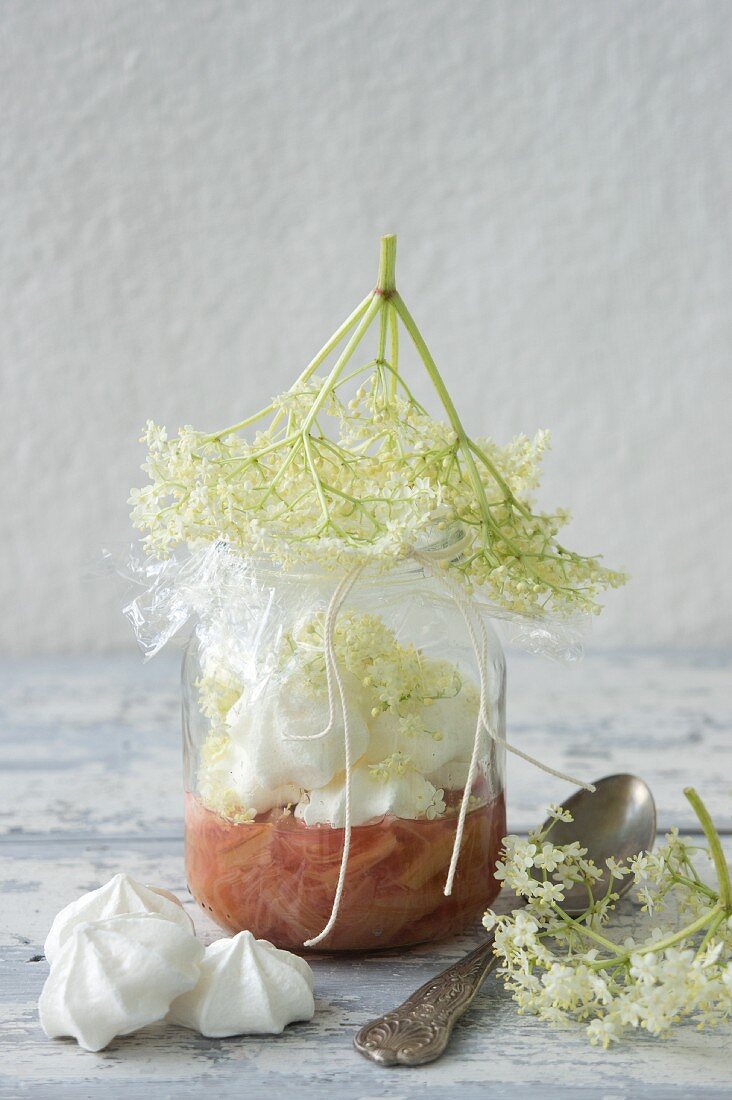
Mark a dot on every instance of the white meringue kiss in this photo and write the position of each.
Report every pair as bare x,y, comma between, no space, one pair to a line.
112,977
122,894
247,987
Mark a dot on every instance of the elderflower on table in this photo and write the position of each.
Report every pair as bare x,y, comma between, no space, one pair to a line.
564,968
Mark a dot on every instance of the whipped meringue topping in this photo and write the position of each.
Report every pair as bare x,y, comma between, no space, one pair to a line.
262,727
111,977
227,777
409,795
122,894
430,738
247,987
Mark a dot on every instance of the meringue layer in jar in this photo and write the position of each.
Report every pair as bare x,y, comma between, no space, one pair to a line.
265,809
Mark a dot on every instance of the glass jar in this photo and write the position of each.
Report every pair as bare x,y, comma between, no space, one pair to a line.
265,778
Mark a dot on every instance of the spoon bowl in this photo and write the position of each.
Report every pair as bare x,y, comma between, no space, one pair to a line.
617,819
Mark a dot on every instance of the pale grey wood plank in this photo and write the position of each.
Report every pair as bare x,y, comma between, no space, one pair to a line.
90,747
664,716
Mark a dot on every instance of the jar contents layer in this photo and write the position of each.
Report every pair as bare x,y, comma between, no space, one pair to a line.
276,876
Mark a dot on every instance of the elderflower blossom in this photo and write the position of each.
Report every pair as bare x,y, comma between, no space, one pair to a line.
340,477
396,764
562,966
396,677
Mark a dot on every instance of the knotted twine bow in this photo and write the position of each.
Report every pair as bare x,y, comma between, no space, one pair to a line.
430,562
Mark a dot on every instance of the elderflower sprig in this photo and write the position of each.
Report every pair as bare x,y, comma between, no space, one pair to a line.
351,466
563,967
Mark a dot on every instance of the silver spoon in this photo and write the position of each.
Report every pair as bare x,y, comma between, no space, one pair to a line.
618,819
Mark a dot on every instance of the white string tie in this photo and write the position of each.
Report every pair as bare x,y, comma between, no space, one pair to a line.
331,616
332,673
478,634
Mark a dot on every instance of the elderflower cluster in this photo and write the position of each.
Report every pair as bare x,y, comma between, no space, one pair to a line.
397,763
562,966
397,677
366,479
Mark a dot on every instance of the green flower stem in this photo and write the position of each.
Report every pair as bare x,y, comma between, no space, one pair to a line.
292,441
684,933
711,931
500,481
375,304
585,930
281,472
695,884
242,424
385,281
355,373
452,414
310,369
715,847
340,454
395,378
394,351
383,327
314,474
334,341
660,945
468,448
323,354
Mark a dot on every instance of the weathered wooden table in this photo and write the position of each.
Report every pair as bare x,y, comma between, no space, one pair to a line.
90,785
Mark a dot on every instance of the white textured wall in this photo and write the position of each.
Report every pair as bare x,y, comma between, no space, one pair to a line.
192,194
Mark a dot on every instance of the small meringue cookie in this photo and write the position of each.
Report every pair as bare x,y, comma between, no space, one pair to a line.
263,726
122,894
229,771
247,987
112,977
408,796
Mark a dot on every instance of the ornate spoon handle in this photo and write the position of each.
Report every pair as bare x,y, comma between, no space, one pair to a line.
418,1031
